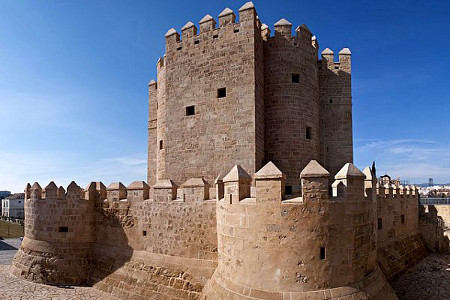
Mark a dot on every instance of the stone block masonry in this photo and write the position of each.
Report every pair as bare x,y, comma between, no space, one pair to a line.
186,245
231,93
246,129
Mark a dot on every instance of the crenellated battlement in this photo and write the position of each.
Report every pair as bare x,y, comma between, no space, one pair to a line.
350,184
342,64
209,31
318,241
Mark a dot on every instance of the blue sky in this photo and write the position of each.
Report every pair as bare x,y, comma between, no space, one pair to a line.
74,75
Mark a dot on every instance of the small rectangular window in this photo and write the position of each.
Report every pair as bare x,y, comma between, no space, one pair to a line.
322,253
144,233
380,223
295,78
221,93
215,36
196,42
236,30
288,190
160,145
402,217
190,110
308,133
63,229
179,48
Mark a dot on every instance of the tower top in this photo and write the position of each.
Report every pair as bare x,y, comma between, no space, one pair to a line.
283,22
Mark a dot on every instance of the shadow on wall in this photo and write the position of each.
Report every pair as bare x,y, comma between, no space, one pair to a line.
432,227
111,250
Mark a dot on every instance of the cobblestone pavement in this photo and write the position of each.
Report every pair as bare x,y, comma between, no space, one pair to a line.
13,288
428,280
8,248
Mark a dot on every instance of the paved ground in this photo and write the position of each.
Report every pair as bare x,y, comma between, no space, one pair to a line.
8,248
428,280
13,288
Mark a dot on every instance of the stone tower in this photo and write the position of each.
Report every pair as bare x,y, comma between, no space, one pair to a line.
232,93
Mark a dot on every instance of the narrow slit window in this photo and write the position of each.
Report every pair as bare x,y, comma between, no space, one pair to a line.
288,190
295,78
331,101
190,110
308,133
402,217
380,223
322,253
63,229
222,93
144,233
161,145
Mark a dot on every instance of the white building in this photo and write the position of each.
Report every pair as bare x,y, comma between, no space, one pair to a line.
13,206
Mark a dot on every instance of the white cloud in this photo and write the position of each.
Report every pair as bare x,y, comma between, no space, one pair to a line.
412,159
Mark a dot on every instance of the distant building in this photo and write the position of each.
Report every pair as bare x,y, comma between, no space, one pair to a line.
4,194
386,179
13,206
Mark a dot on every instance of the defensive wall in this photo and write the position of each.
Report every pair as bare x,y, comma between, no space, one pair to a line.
231,92
184,244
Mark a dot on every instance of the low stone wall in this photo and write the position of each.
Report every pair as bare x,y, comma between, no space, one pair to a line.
399,242
400,254
434,221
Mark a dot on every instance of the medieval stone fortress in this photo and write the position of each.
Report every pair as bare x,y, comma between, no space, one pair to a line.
251,190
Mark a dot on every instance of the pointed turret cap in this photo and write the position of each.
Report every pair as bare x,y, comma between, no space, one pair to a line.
345,51
51,186
152,82
116,186
36,186
72,186
170,32
195,182
237,174
187,25
226,12
327,51
368,173
220,177
314,169
264,26
138,185
165,184
305,27
206,19
349,170
283,22
91,186
269,171
246,6
61,192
